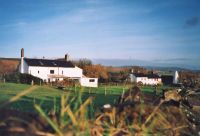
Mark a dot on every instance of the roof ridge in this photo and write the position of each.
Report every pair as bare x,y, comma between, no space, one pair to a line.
48,62
46,59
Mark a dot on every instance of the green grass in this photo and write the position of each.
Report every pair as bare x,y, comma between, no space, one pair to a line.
49,97
77,111
45,96
118,90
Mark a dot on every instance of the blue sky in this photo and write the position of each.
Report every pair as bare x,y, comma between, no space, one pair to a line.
150,30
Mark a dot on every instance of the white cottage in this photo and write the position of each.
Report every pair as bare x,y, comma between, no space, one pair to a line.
146,79
54,70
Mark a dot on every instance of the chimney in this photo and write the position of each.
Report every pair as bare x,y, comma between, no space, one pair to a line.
22,61
66,57
22,52
132,70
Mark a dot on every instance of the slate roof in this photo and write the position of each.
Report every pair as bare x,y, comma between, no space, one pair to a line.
139,75
147,75
153,76
48,63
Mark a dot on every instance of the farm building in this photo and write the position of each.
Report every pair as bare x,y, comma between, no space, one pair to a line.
55,70
146,79
170,78
167,79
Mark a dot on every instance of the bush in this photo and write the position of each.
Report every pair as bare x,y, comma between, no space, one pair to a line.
22,78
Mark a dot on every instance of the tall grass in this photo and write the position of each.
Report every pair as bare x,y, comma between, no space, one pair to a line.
146,120
74,117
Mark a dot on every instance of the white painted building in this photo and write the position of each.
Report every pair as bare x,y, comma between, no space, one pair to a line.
146,79
88,82
175,77
55,70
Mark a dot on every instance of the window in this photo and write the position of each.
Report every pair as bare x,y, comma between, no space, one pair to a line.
51,71
38,72
91,80
62,72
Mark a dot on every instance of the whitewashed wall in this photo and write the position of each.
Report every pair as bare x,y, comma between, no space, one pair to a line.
175,77
44,72
145,80
84,81
132,78
149,81
25,67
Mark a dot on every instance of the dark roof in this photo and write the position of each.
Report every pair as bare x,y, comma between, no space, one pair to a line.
147,75
48,63
153,76
139,75
167,79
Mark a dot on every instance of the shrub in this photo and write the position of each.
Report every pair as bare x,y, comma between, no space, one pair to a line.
22,78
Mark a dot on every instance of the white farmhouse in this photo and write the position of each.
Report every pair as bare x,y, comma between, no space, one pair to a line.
146,79
55,70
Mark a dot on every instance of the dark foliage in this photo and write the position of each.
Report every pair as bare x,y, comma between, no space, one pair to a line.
22,78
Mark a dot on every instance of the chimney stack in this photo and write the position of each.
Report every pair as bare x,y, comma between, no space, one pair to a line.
22,52
66,57
22,61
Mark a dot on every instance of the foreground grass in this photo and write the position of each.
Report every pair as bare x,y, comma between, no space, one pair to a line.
74,111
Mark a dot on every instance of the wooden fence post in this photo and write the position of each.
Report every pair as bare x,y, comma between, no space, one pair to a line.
32,82
122,96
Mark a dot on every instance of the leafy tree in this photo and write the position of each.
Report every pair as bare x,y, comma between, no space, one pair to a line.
83,62
97,71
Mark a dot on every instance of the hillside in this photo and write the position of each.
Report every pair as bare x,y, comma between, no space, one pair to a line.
8,65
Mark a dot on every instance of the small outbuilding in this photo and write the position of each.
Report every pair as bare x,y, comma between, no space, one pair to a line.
146,79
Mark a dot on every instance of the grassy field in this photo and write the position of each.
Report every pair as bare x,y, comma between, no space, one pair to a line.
118,90
78,117
49,97
45,96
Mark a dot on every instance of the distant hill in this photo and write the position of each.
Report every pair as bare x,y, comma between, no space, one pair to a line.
8,65
14,59
173,65
120,62
166,68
